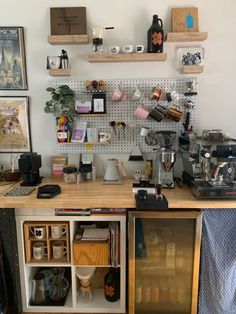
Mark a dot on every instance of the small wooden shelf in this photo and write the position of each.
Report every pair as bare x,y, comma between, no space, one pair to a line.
191,69
185,37
92,114
129,57
85,143
68,39
59,72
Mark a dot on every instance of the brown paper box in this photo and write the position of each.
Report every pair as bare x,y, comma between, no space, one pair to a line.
184,19
68,21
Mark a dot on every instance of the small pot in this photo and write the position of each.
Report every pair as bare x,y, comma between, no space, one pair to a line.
8,175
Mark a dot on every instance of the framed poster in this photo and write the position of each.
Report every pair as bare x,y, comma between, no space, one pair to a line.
14,124
190,56
12,59
99,103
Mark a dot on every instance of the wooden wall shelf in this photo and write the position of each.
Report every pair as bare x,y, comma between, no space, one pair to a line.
129,57
92,114
85,143
185,37
59,72
68,39
192,69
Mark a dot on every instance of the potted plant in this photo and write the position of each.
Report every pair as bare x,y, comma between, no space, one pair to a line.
62,102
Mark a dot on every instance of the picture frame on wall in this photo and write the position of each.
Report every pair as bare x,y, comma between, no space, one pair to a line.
14,124
12,59
99,103
190,56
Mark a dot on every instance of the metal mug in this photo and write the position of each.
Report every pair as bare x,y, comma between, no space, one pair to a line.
174,113
157,114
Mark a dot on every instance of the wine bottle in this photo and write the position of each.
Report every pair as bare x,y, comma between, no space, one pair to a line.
155,36
112,284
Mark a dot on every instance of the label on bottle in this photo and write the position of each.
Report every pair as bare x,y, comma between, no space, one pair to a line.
157,38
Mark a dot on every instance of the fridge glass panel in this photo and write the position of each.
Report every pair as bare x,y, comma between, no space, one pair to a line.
164,255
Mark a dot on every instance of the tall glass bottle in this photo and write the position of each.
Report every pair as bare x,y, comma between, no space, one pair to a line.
112,285
155,36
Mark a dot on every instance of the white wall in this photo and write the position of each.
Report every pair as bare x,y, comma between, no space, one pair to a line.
131,20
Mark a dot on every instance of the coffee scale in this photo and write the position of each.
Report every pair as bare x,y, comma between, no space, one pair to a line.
209,164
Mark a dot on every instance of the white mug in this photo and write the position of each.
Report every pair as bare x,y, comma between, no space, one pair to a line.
139,48
38,232
144,131
92,135
58,249
104,136
39,250
127,49
57,232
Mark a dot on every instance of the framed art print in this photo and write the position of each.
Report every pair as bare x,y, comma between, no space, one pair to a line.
12,59
99,103
14,124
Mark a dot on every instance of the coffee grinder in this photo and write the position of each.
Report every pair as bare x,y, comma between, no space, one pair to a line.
166,157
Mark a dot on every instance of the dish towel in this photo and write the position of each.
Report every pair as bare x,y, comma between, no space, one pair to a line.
217,293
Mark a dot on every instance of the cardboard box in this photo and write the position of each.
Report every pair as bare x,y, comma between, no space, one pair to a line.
184,19
68,21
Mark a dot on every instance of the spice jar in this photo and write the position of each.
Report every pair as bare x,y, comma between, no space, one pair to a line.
70,174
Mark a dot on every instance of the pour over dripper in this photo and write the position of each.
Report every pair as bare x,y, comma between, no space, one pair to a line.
85,275
98,32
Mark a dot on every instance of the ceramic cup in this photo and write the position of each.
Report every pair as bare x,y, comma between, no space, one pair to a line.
114,50
137,95
54,62
57,232
141,112
104,136
127,49
38,232
118,95
139,48
39,250
58,249
92,135
144,131
157,114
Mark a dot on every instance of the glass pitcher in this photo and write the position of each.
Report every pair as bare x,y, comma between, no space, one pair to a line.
60,284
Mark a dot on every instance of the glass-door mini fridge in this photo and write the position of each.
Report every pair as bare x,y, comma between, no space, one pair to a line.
164,254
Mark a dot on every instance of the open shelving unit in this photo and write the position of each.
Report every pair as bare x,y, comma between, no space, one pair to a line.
127,57
72,303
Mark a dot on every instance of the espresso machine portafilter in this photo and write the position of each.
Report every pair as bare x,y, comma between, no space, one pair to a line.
166,157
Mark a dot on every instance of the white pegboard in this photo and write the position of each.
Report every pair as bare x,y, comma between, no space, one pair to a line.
124,140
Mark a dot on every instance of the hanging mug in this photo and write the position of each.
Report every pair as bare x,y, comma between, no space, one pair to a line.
137,95
174,113
158,113
156,93
141,112
118,94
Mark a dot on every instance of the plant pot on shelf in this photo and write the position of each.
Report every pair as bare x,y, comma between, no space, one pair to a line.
10,175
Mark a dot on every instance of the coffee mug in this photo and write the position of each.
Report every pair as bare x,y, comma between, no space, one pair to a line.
39,250
118,95
104,136
157,114
139,48
137,95
54,62
127,49
38,232
174,113
156,93
141,112
92,135
58,249
114,50
144,131
57,232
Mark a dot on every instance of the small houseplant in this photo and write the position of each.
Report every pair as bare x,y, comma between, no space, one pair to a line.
62,102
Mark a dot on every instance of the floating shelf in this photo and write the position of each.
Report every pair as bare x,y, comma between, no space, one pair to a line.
59,72
185,37
92,114
191,69
68,39
129,57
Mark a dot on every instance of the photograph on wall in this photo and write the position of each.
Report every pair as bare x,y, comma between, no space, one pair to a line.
14,124
190,56
12,59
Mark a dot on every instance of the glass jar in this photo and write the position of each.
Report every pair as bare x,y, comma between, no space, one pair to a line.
70,174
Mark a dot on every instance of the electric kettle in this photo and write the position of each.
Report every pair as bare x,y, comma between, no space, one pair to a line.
112,172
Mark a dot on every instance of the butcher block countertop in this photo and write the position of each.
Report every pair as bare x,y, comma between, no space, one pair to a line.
94,194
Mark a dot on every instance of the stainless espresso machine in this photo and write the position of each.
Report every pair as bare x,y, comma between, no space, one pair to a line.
209,167
166,157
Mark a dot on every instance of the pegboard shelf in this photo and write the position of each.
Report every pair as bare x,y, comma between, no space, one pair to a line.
92,114
59,72
84,143
129,57
185,37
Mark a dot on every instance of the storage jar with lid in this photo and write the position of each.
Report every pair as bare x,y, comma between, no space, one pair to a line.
70,174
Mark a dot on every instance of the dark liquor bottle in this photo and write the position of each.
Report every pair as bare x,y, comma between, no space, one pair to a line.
112,285
155,35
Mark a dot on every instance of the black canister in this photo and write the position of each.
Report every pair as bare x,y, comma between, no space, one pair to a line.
155,36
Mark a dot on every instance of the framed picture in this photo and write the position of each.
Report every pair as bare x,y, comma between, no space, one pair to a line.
184,19
99,103
12,59
190,56
14,124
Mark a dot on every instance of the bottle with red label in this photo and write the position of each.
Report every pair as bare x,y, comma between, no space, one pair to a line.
155,36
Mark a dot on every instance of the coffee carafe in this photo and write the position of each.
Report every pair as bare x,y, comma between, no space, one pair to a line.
38,289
